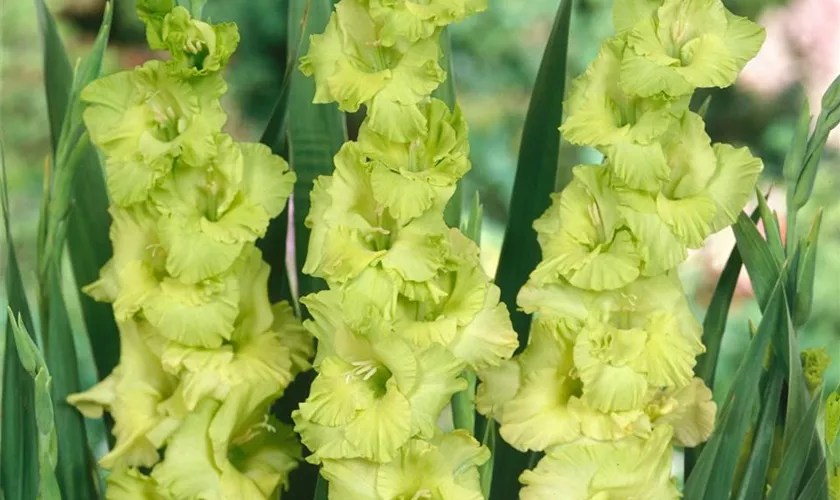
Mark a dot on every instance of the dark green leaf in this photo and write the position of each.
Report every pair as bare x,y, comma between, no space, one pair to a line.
274,245
794,459
714,473
795,153
315,134
75,469
446,93
828,118
805,274
463,403
18,434
754,479
535,180
58,74
714,326
88,242
321,489
771,228
758,258
816,488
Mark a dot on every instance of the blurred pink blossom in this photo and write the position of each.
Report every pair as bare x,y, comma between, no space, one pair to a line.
802,46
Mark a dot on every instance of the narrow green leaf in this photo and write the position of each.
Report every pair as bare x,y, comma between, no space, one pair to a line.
485,472
794,459
795,154
771,227
88,223
535,180
321,489
316,133
714,473
58,74
828,118
806,273
44,415
18,434
274,244
758,258
704,106
463,403
75,469
446,93
536,171
314,136
754,478
816,487
714,327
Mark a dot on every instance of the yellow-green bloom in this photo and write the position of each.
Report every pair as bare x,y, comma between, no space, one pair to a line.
409,308
606,383
628,468
352,66
204,353
444,467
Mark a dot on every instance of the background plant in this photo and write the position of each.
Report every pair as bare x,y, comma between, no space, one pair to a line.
497,56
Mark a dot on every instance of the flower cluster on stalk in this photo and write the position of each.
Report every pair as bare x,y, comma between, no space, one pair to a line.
409,308
606,384
203,352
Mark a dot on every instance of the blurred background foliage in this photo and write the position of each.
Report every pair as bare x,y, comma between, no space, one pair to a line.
496,57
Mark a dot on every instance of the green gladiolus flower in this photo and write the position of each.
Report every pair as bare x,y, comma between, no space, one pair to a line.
199,48
409,308
630,468
444,467
606,383
352,66
203,352
687,44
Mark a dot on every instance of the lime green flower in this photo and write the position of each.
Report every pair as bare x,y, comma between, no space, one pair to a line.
204,353
130,484
143,119
606,383
132,394
352,67
628,468
409,308
687,44
444,467
232,449
198,48
373,393
412,20
582,237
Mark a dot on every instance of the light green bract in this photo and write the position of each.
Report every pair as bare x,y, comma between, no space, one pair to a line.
606,383
203,352
409,308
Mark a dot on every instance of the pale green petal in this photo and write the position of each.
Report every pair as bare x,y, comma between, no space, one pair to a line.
689,218
267,180
538,418
437,381
199,315
350,479
690,410
130,484
626,13
733,182
499,384
669,355
489,338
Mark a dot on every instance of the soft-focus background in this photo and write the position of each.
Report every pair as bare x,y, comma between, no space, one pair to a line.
496,57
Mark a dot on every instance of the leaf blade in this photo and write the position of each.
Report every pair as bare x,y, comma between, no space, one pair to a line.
535,180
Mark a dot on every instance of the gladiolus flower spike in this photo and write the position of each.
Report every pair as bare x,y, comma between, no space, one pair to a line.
605,386
409,308
203,352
